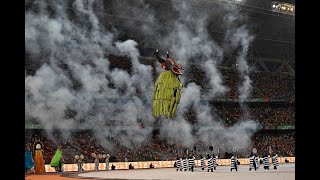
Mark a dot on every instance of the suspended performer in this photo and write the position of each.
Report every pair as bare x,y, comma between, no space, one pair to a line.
168,88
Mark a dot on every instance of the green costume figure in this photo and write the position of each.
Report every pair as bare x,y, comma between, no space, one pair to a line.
57,160
168,88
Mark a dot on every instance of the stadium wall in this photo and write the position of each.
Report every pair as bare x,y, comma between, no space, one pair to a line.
157,164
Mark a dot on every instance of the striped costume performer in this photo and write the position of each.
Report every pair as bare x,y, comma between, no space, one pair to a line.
215,162
266,162
256,159
253,164
234,164
179,166
203,165
185,164
275,161
191,163
210,164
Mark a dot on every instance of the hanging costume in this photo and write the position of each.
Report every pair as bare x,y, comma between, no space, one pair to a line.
168,88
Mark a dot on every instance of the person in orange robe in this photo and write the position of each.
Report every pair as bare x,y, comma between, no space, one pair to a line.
38,158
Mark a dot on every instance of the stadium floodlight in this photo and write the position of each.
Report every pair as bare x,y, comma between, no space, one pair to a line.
282,7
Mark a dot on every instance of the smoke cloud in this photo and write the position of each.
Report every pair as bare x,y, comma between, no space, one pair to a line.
75,52
75,88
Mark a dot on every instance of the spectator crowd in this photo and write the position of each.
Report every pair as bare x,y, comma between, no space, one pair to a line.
153,148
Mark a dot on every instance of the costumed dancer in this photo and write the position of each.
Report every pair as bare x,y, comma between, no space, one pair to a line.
38,158
168,88
28,161
215,162
256,159
79,161
275,161
266,162
181,164
234,163
210,163
178,163
191,163
185,163
107,161
202,162
96,161
57,160
253,164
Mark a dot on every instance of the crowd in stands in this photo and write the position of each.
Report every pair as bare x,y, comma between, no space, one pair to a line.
267,115
264,85
153,148
282,143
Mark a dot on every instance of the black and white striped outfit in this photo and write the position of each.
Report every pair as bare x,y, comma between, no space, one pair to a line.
266,162
203,165
253,164
191,163
179,166
234,164
185,164
214,162
256,159
210,164
275,161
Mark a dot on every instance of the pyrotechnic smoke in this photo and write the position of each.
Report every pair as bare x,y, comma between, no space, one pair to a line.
239,38
74,49
189,39
71,41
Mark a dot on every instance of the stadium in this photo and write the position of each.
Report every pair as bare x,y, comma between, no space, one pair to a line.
93,70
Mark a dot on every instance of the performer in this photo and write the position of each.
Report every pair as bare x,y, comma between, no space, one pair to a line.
38,157
79,160
202,162
185,164
57,160
181,164
256,159
107,161
210,163
168,88
266,162
252,163
28,163
234,163
178,164
96,162
191,163
275,161
214,162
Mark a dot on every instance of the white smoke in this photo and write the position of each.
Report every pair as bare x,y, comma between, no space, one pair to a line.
240,39
191,44
80,43
58,39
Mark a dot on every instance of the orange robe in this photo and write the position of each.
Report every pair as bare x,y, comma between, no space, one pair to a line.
39,162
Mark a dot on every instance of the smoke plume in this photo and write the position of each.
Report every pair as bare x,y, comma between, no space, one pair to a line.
75,88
